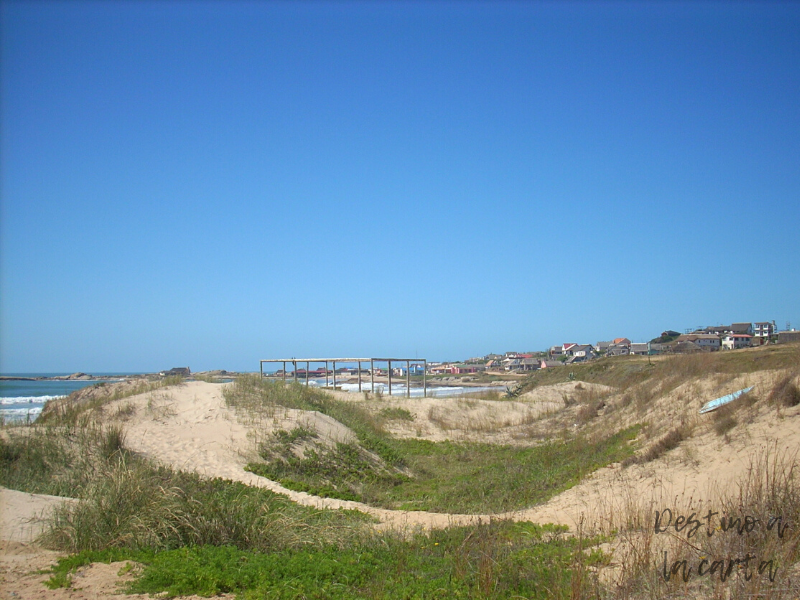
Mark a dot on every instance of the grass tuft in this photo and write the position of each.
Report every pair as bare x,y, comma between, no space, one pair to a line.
668,442
785,393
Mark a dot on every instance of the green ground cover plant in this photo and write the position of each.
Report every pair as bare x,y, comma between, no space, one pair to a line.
417,474
478,478
397,414
499,559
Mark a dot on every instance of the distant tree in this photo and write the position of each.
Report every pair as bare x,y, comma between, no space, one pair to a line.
665,337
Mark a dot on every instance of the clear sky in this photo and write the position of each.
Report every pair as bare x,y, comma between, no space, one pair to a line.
207,184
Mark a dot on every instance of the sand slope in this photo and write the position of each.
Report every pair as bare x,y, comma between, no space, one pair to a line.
189,427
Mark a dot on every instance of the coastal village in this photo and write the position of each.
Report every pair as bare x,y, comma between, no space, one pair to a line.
699,339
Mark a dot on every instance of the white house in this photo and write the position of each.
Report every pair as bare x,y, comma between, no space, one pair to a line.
762,332
734,341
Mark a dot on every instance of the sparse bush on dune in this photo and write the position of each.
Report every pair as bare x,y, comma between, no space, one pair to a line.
668,442
724,420
785,392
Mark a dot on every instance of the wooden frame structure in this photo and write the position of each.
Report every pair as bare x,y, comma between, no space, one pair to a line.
359,361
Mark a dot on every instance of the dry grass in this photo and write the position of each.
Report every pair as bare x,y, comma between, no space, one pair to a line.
474,416
768,491
87,404
663,445
785,393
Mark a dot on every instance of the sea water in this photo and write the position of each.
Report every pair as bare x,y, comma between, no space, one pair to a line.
23,400
399,389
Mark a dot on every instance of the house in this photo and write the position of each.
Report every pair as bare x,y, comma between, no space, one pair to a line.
565,348
619,347
530,364
762,333
547,364
704,341
581,351
618,350
556,350
741,328
576,359
734,341
602,347
713,330
646,348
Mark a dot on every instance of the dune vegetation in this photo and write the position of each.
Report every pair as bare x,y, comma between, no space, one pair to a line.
622,422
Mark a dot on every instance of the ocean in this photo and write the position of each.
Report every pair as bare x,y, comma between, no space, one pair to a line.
399,389
22,400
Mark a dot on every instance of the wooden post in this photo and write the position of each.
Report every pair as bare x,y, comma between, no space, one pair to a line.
408,379
262,369
294,364
425,379
284,372
326,373
306,373
390,378
372,374
334,375
359,377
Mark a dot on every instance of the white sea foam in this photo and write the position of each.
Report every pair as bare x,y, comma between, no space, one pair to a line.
21,414
27,399
400,389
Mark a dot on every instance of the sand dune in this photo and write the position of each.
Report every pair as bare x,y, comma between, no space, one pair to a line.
189,427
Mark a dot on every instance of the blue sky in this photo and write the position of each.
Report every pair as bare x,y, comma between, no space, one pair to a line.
212,183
